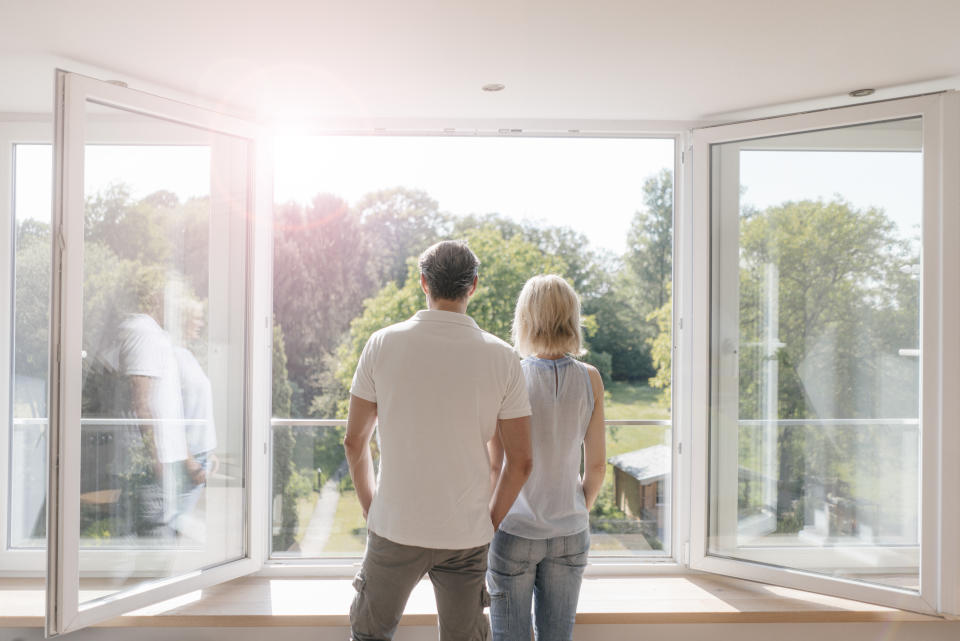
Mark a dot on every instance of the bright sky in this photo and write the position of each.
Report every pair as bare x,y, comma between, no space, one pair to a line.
590,184
892,181
184,170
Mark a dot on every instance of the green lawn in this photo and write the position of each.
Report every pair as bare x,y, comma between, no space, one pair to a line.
633,401
623,401
626,400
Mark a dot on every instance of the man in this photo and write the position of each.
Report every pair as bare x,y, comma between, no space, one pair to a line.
438,388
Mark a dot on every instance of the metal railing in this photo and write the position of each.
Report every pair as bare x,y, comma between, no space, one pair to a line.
114,422
338,422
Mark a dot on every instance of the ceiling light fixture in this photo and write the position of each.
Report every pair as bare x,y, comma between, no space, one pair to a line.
493,86
861,93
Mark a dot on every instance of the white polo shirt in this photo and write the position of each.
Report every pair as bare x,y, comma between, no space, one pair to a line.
440,384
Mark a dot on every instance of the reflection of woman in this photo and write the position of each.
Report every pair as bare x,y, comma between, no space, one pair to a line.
197,395
540,550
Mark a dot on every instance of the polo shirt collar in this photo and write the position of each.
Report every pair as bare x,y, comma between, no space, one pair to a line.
436,315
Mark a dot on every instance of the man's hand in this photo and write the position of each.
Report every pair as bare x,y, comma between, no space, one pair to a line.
514,439
361,421
197,474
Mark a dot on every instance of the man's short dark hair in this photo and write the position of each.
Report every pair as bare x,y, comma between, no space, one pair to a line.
449,268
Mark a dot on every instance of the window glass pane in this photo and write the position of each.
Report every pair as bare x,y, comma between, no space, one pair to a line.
353,214
33,167
162,417
815,430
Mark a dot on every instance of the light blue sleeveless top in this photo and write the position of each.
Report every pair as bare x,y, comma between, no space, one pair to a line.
551,502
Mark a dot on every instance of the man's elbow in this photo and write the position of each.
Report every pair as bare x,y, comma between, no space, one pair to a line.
598,470
353,446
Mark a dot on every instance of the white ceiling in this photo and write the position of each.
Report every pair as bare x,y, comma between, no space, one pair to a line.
426,59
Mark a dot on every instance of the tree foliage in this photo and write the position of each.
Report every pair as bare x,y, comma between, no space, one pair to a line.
329,258
650,244
399,223
845,292
661,352
638,286
505,265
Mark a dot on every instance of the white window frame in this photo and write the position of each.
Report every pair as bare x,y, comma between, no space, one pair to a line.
939,447
31,562
36,130
627,565
64,612
691,364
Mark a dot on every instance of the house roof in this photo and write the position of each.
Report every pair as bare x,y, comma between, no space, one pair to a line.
648,464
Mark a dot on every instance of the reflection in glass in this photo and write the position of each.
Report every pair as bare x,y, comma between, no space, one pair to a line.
162,411
816,389
31,325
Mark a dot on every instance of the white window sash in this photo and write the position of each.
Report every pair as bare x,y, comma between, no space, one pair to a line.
64,611
934,576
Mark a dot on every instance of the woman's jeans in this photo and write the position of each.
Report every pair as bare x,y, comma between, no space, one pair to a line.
548,571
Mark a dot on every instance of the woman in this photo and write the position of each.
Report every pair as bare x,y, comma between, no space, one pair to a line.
540,550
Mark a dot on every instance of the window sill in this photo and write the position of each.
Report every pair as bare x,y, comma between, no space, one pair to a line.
266,601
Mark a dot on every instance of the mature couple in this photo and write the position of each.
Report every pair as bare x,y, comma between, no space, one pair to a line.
480,458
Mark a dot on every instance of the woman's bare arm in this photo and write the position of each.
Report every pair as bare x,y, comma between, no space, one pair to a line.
594,444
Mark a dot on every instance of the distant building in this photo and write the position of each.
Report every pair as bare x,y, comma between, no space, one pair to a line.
639,483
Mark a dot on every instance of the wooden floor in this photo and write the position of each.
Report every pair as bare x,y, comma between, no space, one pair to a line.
266,601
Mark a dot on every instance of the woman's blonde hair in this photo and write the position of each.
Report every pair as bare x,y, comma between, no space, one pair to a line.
547,318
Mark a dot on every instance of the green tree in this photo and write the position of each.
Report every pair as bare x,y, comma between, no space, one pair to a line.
32,296
661,351
283,449
641,286
586,269
622,331
843,279
505,265
650,243
321,276
846,293
399,223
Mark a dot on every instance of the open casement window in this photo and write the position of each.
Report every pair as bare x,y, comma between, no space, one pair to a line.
817,393
159,346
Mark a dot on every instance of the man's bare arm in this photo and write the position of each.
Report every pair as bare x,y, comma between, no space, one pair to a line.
141,392
495,452
360,423
514,435
141,389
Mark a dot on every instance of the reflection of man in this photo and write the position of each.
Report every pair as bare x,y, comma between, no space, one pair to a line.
438,385
147,359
